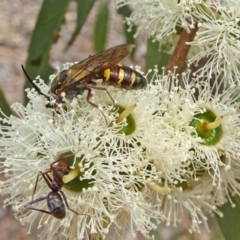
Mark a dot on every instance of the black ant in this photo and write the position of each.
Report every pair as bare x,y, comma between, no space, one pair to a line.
55,202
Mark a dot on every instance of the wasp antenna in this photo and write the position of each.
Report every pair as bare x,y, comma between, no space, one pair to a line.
34,85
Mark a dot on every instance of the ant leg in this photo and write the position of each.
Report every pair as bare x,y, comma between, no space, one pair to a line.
36,183
66,202
47,178
26,205
35,186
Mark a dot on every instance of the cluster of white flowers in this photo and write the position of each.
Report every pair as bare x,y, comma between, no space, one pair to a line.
166,151
217,37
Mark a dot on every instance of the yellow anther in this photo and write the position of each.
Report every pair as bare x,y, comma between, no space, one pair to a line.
214,124
157,188
70,176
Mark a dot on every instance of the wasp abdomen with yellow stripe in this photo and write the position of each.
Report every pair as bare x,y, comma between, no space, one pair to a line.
123,77
80,76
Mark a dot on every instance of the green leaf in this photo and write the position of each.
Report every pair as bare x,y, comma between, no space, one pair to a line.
83,10
126,12
230,222
50,19
101,28
155,56
4,104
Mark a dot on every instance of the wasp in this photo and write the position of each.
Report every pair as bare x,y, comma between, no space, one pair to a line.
82,76
56,199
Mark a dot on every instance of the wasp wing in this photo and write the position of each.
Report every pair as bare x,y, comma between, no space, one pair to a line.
91,66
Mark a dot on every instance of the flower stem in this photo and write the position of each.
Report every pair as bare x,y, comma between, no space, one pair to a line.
181,50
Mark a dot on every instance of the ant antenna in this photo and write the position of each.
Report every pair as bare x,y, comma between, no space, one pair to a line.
34,85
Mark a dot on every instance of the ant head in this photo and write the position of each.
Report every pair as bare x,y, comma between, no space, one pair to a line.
48,105
36,87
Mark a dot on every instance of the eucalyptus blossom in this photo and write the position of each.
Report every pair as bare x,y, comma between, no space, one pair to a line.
159,153
214,26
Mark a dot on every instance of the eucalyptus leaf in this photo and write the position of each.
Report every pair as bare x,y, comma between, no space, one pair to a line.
4,106
230,222
83,9
101,28
155,56
129,35
50,19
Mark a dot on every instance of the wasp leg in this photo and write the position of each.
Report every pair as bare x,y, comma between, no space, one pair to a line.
89,95
90,86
